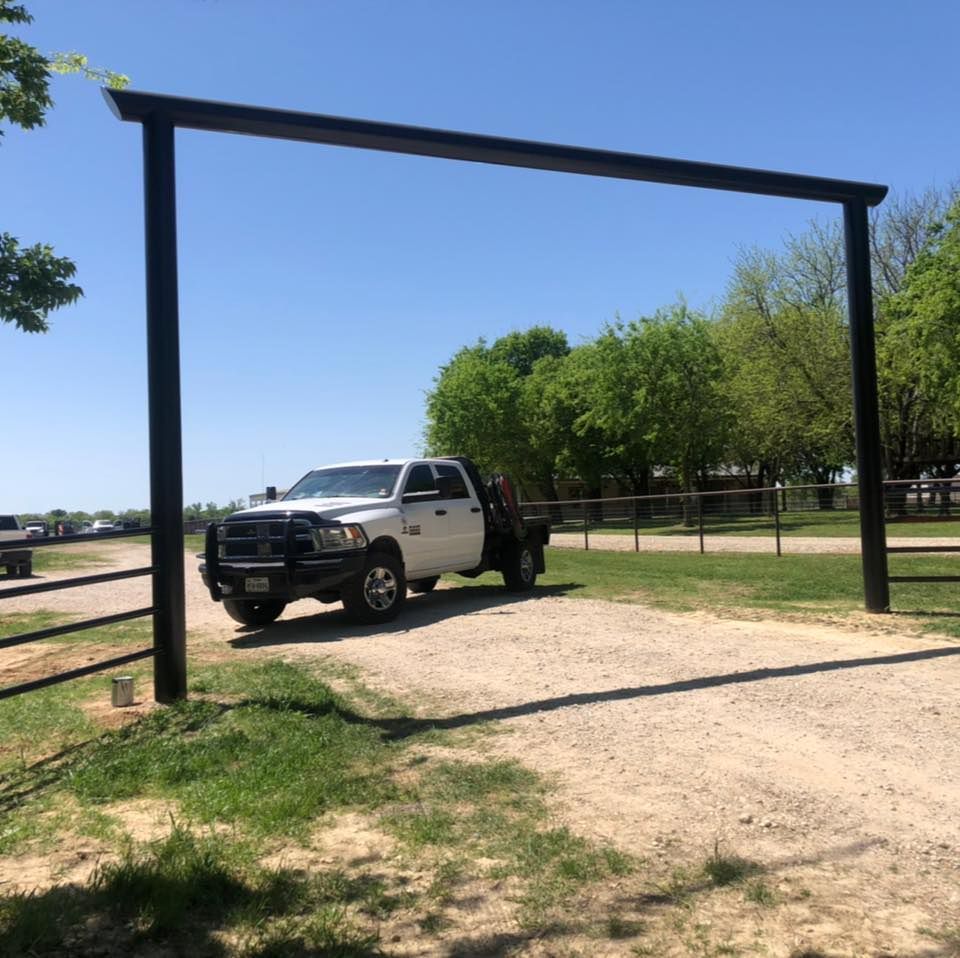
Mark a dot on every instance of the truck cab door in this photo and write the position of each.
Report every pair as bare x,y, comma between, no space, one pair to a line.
424,534
465,516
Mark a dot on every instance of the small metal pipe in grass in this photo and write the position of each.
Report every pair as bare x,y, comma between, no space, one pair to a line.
121,691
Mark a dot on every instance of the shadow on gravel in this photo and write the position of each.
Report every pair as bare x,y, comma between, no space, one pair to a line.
420,611
400,728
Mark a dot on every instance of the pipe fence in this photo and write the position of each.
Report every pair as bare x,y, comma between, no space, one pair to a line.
777,512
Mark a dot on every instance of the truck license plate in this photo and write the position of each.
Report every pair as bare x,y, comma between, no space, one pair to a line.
257,584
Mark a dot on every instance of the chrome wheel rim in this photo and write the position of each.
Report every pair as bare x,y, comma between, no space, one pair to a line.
380,589
526,565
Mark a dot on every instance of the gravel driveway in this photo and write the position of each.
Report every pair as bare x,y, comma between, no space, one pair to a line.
829,756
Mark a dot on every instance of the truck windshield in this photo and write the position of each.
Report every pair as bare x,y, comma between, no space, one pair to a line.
347,482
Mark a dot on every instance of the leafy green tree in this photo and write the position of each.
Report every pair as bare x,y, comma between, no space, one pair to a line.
677,369
473,411
786,358
917,437
33,281
487,404
521,350
616,419
923,320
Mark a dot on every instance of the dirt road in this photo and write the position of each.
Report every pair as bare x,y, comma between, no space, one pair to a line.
831,757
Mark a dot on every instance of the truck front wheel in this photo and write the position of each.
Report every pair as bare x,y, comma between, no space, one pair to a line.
520,568
256,612
378,592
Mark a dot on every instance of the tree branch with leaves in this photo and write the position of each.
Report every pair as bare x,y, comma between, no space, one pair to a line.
34,281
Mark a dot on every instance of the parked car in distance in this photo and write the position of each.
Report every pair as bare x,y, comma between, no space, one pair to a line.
86,526
17,562
102,525
37,528
66,528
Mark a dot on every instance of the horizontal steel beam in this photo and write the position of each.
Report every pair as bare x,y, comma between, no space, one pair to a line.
73,583
213,116
75,673
74,540
55,630
923,578
923,548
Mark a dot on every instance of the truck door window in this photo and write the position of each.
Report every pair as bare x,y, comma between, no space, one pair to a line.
420,480
458,488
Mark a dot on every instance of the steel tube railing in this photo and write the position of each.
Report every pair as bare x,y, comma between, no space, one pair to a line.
673,507
36,588
75,582
69,627
12,690
76,540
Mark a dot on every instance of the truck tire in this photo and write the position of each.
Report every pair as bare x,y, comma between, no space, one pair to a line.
378,592
13,570
26,569
254,612
419,586
519,568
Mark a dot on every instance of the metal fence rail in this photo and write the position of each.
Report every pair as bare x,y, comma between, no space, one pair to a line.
75,582
771,511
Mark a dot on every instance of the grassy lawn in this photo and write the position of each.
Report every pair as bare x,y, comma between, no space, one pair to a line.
842,523
261,759
49,560
728,584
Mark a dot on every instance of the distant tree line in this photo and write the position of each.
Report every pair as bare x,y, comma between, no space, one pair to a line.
194,511
761,388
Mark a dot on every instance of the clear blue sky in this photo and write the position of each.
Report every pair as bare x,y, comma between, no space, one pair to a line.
321,288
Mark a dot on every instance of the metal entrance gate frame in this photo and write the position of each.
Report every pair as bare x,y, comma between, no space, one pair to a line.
161,115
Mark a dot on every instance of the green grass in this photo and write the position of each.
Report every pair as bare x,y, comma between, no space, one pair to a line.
42,722
183,892
731,583
722,870
256,760
49,560
760,893
137,632
841,523
496,810
272,762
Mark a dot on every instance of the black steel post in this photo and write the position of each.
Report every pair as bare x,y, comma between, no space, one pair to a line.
873,541
636,525
586,524
700,520
163,376
776,519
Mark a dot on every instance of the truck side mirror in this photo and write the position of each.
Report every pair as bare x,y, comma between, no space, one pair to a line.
271,493
445,487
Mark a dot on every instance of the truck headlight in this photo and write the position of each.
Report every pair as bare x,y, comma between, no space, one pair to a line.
338,538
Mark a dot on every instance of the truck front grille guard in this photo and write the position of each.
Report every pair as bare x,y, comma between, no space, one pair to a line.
291,536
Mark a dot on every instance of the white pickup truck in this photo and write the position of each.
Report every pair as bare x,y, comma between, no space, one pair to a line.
364,533
17,562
